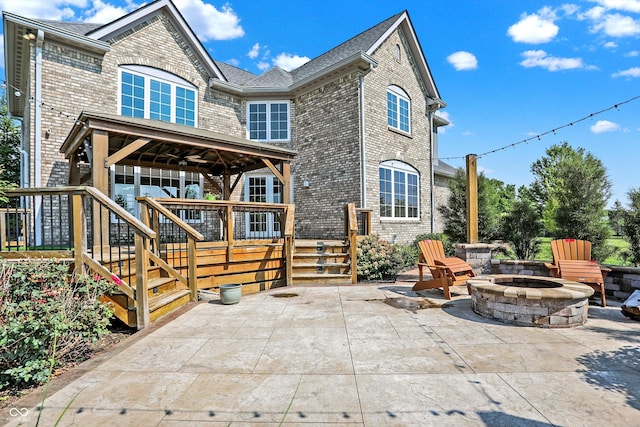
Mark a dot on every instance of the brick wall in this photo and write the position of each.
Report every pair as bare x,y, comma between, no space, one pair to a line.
74,81
384,144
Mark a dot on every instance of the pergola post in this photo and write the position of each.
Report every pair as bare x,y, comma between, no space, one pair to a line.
472,198
100,177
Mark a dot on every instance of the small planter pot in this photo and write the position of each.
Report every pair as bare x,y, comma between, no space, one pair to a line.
230,294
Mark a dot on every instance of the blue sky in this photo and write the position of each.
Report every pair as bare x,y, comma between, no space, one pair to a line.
508,70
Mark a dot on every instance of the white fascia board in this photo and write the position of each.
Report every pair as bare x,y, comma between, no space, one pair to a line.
151,9
50,30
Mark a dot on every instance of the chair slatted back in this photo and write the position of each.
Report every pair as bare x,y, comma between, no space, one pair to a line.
571,249
432,250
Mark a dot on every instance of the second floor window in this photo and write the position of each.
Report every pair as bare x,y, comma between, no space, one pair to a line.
398,109
268,121
155,94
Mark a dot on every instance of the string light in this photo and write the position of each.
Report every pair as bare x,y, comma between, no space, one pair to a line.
553,131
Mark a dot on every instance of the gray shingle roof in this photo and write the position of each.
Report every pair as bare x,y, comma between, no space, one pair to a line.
74,27
276,77
360,43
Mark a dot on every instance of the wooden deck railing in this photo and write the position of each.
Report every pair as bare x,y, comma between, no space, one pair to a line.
78,223
232,225
199,243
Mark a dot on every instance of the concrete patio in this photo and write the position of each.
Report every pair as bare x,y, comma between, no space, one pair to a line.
354,355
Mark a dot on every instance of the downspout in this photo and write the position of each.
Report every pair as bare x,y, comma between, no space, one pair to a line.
37,160
433,175
363,149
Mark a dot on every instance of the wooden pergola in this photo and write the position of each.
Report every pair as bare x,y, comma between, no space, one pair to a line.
103,140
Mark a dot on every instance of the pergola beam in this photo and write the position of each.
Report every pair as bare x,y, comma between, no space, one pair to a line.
126,151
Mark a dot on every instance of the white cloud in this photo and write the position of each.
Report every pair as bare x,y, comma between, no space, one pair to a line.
262,65
463,60
604,126
632,54
289,62
233,61
102,13
626,5
210,23
535,28
467,133
610,45
540,58
616,25
631,72
255,51
39,9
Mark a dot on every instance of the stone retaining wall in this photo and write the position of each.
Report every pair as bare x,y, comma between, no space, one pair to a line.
619,283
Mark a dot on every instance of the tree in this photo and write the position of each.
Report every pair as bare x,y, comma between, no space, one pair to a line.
522,227
632,225
9,151
616,218
494,199
573,189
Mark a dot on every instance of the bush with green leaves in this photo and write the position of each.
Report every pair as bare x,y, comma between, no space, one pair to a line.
47,319
378,259
631,227
522,228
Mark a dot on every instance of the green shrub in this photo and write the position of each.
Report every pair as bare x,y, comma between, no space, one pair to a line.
47,319
378,259
447,244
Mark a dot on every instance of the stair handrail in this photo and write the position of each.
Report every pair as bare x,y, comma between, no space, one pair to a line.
193,235
352,238
289,242
142,232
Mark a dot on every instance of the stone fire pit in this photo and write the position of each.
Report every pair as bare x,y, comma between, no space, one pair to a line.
530,300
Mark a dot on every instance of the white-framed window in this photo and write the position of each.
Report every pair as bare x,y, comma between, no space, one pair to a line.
268,121
398,109
129,182
150,93
399,191
262,189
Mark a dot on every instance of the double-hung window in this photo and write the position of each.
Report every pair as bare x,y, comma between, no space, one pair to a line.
155,94
398,109
268,121
399,196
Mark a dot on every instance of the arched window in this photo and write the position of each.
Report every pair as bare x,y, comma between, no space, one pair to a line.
151,93
398,109
399,190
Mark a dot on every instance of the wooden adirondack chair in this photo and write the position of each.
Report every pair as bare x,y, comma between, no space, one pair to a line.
572,261
446,271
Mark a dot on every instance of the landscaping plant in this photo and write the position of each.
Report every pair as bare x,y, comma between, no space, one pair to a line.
378,259
42,308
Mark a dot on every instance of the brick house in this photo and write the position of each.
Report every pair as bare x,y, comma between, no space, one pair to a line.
360,118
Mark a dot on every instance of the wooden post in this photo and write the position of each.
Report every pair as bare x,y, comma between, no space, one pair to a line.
286,184
472,198
79,241
100,178
229,232
192,272
142,264
289,242
226,185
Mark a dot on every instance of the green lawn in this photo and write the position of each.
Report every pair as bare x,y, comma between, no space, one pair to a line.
617,242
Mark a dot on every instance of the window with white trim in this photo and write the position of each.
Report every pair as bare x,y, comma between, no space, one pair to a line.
150,93
268,121
398,109
399,195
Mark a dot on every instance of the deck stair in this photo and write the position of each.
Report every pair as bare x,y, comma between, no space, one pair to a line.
321,262
165,295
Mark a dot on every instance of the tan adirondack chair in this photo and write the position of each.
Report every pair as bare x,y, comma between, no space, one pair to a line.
445,271
572,261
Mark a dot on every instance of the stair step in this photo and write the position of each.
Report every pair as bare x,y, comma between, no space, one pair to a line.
319,264
156,282
301,278
165,299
